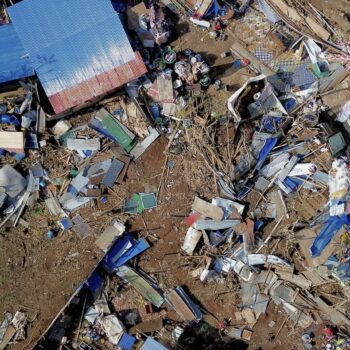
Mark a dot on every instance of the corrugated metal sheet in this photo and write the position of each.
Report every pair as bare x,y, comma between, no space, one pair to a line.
98,85
151,344
126,342
79,48
13,62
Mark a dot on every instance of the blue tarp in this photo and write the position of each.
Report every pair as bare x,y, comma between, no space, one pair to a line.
292,183
213,10
123,250
330,228
14,64
70,42
267,148
258,225
95,284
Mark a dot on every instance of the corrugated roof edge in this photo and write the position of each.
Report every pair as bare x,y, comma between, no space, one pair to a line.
98,86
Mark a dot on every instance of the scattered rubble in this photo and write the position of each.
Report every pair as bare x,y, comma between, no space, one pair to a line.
114,107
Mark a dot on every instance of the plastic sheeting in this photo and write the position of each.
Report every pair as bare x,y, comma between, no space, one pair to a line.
14,64
332,226
79,49
123,250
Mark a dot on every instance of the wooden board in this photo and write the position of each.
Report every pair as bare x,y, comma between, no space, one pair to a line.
207,210
180,306
12,141
248,235
10,332
204,6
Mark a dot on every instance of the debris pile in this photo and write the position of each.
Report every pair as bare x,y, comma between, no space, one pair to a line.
200,205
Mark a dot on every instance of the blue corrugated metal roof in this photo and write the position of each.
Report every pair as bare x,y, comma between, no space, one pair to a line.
70,42
151,344
126,342
13,62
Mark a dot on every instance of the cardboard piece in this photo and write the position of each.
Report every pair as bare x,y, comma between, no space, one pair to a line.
134,13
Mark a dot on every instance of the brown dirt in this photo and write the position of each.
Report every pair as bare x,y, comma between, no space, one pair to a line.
37,274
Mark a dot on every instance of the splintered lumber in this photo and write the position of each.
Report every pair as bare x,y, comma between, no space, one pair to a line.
292,17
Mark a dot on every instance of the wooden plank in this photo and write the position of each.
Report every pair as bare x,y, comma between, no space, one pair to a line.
248,235
247,334
126,161
10,332
305,209
204,7
317,28
207,210
12,141
332,314
299,281
277,199
165,89
180,306
313,277
84,145
290,15
287,11
18,93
